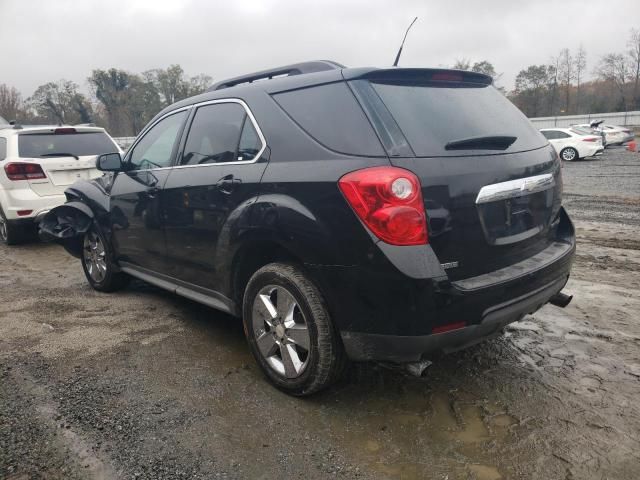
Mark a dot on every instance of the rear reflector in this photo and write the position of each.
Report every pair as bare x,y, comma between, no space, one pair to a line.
24,171
448,327
64,130
22,213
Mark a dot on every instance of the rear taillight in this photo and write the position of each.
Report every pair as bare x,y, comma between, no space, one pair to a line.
590,139
389,202
24,171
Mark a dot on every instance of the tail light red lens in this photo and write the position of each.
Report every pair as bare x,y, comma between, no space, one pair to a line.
389,202
24,171
590,139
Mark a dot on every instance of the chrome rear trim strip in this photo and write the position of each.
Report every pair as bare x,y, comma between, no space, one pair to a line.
515,188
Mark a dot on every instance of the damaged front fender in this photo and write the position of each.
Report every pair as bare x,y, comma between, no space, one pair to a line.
67,225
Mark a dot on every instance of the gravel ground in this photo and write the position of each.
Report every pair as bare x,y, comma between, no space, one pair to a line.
142,384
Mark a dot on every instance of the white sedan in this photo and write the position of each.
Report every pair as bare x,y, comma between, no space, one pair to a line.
614,135
573,143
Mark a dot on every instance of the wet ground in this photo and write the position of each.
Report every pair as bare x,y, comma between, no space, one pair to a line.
143,384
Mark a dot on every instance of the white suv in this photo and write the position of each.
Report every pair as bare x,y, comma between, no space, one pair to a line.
37,163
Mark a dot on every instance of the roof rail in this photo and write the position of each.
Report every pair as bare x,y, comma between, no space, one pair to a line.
287,70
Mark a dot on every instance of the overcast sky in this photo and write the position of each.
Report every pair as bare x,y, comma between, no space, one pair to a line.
45,40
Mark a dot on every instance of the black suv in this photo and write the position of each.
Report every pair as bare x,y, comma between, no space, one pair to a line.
342,213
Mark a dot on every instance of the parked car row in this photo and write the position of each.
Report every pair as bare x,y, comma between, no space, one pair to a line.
611,134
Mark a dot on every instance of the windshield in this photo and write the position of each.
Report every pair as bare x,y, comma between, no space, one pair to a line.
434,115
34,145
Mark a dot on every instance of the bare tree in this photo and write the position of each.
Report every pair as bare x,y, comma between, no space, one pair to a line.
614,68
553,83
566,73
634,55
10,102
462,64
580,67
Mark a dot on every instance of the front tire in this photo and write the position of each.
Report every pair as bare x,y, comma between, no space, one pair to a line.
289,330
569,154
98,263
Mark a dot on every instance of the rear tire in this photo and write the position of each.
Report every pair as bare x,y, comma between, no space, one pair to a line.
569,154
289,330
10,234
98,263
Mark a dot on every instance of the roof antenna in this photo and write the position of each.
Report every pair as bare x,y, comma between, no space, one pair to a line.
395,64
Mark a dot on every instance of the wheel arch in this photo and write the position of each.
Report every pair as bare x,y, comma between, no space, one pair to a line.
253,255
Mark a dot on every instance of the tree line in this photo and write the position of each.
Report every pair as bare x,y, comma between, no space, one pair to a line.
562,87
121,101
124,102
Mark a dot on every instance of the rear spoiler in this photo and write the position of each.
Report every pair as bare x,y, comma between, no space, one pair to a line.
418,75
63,129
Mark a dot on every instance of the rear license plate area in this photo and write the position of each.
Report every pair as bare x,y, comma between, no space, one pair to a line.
515,219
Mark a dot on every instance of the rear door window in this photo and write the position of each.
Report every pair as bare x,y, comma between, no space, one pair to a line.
221,133
34,145
434,114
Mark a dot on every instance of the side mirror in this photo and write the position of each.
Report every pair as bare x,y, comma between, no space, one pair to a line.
109,162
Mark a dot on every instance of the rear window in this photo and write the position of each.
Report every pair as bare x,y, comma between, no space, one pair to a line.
332,116
33,145
434,114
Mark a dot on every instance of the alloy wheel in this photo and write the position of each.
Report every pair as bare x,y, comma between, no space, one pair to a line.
569,154
94,256
281,331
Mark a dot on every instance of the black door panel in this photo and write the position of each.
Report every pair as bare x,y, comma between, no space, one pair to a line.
136,218
206,198
136,195
205,210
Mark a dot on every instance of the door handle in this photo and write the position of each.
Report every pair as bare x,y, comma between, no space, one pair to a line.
227,183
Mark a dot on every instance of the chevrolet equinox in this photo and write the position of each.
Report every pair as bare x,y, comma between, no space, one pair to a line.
355,214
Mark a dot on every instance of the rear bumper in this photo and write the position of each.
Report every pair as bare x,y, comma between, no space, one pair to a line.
386,315
15,200
402,349
591,151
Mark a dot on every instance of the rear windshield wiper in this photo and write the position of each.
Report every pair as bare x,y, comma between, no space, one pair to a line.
490,142
60,155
